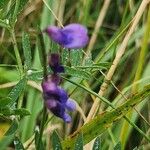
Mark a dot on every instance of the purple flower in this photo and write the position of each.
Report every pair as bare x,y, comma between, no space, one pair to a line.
56,98
72,36
54,63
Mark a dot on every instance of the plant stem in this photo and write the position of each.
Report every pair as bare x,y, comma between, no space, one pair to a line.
42,127
137,128
14,17
112,136
19,62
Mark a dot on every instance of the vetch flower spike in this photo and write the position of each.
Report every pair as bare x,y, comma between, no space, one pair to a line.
56,98
73,36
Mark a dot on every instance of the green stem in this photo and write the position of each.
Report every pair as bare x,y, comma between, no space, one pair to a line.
19,62
42,127
14,17
137,128
112,136
20,101
4,24
91,92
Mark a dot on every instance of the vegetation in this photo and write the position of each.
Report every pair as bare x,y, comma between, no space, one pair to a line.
108,80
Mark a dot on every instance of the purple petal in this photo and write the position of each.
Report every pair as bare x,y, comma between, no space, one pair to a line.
49,87
55,34
59,110
58,69
54,59
75,28
70,105
63,95
66,118
55,78
50,103
72,36
75,36
54,63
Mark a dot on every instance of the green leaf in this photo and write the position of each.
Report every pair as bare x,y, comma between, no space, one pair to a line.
26,50
16,91
3,3
13,128
79,143
75,57
56,141
22,112
118,146
4,102
65,57
21,6
5,141
36,76
88,60
4,24
42,51
98,66
7,111
77,72
18,144
16,7
39,146
101,123
97,144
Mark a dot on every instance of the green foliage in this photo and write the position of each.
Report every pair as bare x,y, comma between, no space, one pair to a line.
56,141
6,141
15,8
97,144
21,104
3,3
16,91
18,144
76,57
13,128
38,144
102,122
4,102
77,72
118,146
27,50
9,111
79,142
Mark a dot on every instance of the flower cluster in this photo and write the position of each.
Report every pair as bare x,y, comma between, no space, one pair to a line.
73,36
56,98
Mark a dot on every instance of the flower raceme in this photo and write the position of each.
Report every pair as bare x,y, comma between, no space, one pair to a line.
55,97
73,36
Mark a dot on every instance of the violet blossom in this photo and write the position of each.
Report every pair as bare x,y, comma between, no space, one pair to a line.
73,36
56,98
54,63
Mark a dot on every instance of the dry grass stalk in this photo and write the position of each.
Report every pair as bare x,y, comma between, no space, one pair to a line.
119,54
